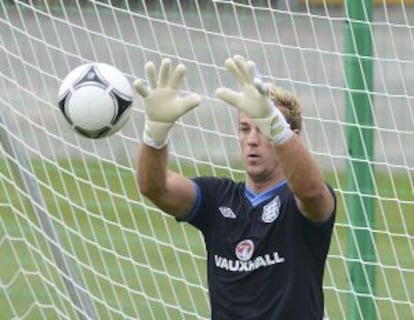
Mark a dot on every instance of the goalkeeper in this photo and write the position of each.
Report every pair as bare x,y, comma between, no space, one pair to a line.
266,238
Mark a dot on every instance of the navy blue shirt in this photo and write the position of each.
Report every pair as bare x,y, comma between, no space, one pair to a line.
265,259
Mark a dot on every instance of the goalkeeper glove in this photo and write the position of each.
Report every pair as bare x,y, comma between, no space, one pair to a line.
253,99
162,103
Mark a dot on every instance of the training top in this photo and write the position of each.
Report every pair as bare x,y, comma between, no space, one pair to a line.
265,259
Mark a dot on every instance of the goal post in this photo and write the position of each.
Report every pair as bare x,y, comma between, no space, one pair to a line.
23,175
360,143
119,257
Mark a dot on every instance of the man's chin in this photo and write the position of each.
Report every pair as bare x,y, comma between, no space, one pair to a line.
255,174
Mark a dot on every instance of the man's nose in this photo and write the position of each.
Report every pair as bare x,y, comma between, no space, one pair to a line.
254,136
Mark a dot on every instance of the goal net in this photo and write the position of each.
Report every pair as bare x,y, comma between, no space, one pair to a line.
78,241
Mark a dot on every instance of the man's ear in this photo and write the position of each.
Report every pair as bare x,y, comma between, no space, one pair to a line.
297,131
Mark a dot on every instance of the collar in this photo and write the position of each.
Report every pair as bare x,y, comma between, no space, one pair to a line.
257,198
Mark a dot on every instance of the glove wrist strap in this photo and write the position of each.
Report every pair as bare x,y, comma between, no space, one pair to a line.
275,127
156,134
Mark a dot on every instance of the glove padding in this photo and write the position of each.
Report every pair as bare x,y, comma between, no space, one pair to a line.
163,105
253,99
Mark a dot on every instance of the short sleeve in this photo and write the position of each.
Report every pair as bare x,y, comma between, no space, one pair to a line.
318,234
206,189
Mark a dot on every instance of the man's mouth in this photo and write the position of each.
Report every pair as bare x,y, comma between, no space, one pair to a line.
252,156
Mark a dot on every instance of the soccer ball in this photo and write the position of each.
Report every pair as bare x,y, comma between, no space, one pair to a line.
95,99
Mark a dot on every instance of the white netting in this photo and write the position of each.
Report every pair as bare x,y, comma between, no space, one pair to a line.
76,237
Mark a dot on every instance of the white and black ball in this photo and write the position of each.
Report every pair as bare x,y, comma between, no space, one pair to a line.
95,99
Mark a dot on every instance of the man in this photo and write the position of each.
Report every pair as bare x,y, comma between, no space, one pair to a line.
266,238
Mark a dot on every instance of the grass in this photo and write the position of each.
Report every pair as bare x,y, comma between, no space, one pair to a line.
139,263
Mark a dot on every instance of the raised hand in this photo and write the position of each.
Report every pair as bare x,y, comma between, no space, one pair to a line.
253,99
162,101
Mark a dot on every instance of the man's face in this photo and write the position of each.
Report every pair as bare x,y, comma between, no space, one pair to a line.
257,151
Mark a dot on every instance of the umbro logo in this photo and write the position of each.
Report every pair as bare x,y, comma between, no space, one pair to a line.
226,212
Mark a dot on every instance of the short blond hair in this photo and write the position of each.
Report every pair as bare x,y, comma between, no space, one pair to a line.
289,105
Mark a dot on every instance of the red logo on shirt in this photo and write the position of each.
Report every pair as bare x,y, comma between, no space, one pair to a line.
244,250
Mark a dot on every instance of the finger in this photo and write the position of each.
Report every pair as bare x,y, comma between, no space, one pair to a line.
165,71
263,87
151,74
141,88
189,102
242,65
253,70
177,77
229,96
234,69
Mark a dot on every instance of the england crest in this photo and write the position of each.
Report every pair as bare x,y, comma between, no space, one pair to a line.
271,210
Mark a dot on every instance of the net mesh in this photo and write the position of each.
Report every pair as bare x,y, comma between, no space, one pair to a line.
77,238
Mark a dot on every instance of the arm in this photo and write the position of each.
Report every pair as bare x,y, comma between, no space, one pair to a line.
311,193
302,173
171,192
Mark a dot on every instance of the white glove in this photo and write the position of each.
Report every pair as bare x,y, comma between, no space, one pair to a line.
253,99
163,105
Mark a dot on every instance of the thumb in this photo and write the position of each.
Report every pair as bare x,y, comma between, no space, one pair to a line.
140,87
229,96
